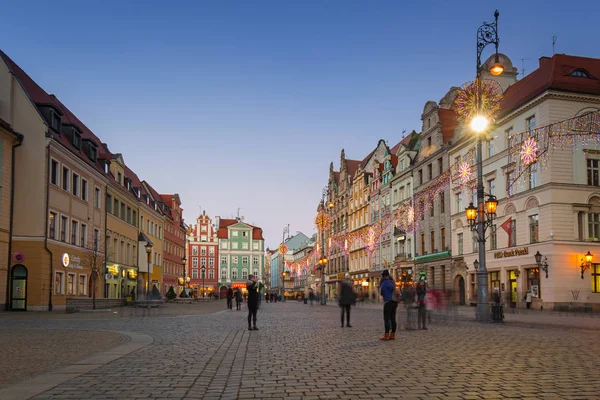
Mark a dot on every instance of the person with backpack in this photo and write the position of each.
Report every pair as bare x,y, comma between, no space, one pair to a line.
390,303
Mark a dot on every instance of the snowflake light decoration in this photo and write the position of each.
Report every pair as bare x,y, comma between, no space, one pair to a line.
410,216
464,172
323,221
467,99
283,248
371,240
529,152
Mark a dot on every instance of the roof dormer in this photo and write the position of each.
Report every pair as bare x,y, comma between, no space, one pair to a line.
52,116
74,134
91,149
138,193
581,73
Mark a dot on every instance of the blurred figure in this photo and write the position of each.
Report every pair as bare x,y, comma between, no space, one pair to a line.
421,294
238,299
311,297
528,298
230,298
345,300
252,287
387,288
408,298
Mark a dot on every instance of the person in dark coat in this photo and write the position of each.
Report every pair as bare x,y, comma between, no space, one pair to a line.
252,286
345,300
230,298
421,295
238,299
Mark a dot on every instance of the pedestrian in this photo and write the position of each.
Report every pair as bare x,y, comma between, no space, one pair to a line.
390,296
528,298
238,299
252,287
230,299
408,298
345,300
421,302
311,297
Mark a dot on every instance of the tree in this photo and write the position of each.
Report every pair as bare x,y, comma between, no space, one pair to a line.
96,259
171,293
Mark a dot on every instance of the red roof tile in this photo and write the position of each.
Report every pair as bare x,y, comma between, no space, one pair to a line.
352,166
553,74
224,223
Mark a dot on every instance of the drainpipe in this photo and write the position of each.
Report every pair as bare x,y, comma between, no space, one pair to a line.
50,307
20,138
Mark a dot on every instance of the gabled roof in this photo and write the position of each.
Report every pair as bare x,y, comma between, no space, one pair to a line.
553,73
225,223
352,166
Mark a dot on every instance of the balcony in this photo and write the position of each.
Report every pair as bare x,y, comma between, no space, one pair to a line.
399,232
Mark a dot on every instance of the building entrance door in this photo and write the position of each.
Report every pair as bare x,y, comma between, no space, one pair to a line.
460,297
512,283
18,300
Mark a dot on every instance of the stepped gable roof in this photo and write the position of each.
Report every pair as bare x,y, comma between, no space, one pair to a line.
449,121
224,223
365,160
394,149
352,166
553,73
336,176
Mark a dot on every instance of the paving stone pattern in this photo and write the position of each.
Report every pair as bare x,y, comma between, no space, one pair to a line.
300,352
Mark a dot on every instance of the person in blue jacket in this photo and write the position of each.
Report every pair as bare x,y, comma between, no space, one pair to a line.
387,287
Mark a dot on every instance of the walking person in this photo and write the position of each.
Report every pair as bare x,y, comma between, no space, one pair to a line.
230,299
311,297
345,300
528,298
238,299
252,298
421,293
408,298
387,288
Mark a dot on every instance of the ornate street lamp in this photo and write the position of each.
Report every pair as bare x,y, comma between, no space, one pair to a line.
148,247
586,263
541,265
203,276
476,265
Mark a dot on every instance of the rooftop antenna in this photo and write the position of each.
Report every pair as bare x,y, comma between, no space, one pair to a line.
553,43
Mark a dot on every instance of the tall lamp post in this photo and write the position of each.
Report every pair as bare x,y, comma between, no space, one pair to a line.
184,263
203,276
482,216
323,260
148,247
286,231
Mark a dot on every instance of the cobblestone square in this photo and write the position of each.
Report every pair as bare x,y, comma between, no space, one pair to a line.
301,352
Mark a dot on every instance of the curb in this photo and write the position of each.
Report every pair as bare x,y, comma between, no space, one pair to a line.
45,381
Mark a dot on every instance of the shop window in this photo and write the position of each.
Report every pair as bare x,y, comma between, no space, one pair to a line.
70,284
82,285
59,282
596,278
494,280
533,281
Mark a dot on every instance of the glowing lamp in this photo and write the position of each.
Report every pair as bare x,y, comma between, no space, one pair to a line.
589,257
330,204
490,205
471,214
497,69
479,123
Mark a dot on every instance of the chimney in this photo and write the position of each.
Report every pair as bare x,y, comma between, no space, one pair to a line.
545,61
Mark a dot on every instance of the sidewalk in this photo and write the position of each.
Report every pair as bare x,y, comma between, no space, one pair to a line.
515,316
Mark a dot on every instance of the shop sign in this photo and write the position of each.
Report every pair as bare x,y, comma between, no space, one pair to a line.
340,276
239,286
108,276
511,253
71,261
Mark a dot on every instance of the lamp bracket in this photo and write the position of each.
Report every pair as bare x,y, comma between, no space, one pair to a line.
487,34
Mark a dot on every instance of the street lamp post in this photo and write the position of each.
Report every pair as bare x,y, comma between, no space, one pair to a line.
482,216
148,247
323,260
184,262
286,231
203,276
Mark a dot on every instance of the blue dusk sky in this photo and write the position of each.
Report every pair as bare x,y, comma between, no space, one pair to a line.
245,103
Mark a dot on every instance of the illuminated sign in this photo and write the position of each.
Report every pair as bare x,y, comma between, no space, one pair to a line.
66,260
511,253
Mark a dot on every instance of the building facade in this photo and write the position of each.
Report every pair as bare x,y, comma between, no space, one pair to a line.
241,253
203,259
174,243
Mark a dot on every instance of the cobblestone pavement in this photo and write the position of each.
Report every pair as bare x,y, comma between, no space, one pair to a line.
27,352
301,352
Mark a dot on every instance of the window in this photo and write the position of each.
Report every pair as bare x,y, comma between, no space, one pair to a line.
594,226
490,148
244,274
431,209
70,284
119,178
245,260
474,197
533,281
460,240
83,235
223,274
54,172
203,273
255,272
129,215
530,123
475,243
533,181
203,262
195,250
234,233
420,177
194,274
580,73
595,278
97,195
507,134
430,172
134,218
422,203
123,212
429,138
234,260
510,187
224,260
203,239
116,207
97,240
203,229
195,262
254,260
59,282
93,153
442,202
459,202
245,246
443,234
211,262
244,234
63,228
234,245
54,121
432,242
211,251
593,172
495,280
533,229
82,285
492,187
234,274
423,244
440,166
84,190
52,225
74,226
211,274
65,178
513,233
493,238
203,250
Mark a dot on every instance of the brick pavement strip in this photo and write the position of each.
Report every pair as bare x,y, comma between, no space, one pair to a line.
301,352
